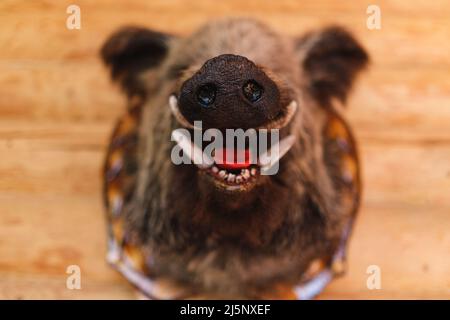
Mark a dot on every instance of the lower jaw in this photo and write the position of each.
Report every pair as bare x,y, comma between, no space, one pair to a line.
223,184
222,200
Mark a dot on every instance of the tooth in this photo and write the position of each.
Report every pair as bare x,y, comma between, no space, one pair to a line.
196,154
245,174
239,179
253,171
222,174
272,156
215,169
173,103
231,177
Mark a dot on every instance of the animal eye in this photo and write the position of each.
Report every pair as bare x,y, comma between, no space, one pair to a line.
252,90
206,94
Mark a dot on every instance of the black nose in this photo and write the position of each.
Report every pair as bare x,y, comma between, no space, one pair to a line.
230,91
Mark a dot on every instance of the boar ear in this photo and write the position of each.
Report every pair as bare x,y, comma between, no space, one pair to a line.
331,58
130,51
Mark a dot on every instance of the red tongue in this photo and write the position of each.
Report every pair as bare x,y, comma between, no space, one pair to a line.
244,157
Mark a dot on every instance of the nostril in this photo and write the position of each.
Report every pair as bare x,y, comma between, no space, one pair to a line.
252,90
206,94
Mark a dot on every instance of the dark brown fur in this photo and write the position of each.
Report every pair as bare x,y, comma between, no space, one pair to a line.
236,244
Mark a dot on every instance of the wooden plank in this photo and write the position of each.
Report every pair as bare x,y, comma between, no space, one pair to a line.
410,245
51,287
26,27
58,91
43,235
397,240
52,159
386,104
407,176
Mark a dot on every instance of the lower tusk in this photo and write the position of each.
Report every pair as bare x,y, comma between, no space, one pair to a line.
276,152
198,157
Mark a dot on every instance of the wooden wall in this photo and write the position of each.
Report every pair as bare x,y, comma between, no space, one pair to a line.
57,107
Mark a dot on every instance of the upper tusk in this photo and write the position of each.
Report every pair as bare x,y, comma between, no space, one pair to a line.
173,103
280,123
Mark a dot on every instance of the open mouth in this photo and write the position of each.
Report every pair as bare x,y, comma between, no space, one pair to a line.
233,170
234,179
235,173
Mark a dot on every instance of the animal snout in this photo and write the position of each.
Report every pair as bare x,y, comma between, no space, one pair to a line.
230,91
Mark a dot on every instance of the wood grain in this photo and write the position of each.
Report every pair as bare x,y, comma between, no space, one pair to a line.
57,109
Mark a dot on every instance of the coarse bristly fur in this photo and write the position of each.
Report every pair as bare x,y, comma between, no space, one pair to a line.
225,242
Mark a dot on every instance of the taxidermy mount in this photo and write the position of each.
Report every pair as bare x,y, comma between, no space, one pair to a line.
225,229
